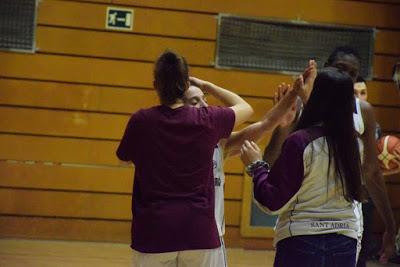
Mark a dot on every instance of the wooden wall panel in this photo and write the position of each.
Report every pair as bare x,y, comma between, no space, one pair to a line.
66,177
93,98
233,165
81,205
65,229
62,123
383,93
383,67
67,150
75,96
121,45
388,118
60,13
71,123
128,74
96,230
233,187
353,13
147,21
85,178
65,204
126,100
387,42
70,150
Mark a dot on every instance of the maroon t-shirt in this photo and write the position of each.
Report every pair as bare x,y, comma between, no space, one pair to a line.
173,194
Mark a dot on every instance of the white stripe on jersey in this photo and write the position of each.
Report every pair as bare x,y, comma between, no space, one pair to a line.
219,178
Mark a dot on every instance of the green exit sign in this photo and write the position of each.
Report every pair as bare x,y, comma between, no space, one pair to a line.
119,18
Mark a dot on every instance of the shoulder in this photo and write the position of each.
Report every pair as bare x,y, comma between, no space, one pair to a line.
215,109
141,115
364,105
302,138
368,113
215,114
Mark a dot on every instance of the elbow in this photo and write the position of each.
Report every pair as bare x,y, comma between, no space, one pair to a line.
266,206
121,156
249,110
124,163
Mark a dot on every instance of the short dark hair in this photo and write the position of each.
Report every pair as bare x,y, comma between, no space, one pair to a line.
340,52
346,59
171,77
360,80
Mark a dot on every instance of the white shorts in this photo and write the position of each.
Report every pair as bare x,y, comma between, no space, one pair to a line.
218,258
187,258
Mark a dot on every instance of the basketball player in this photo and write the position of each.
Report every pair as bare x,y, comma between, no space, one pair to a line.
347,59
367,242
396,79
172,146
230,146
315,180
360,89
361,92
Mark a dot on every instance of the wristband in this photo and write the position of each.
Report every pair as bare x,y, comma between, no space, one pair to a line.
255,165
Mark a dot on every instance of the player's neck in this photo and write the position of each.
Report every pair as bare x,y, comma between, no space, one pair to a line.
179,103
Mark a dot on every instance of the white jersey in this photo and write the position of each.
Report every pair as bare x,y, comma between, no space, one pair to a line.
360,128
313,195
219,179
358,120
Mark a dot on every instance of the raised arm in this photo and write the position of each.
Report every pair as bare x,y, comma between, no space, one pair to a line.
285,100
288,123
374,180
309,75
242,109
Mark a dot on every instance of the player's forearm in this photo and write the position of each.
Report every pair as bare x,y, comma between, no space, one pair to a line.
377,190
253,132
227,97
391,172
273,149
274,116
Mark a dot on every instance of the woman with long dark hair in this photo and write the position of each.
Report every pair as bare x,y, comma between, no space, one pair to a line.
171,146
316,180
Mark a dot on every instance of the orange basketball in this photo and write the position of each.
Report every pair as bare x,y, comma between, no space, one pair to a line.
386,147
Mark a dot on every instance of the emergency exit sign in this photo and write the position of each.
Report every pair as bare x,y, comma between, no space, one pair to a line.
119,18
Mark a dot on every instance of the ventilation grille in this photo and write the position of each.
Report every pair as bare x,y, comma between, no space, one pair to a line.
276,46
17,25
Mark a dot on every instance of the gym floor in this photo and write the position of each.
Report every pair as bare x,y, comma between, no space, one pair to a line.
32,253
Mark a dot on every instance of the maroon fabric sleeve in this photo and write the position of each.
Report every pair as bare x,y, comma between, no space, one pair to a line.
127,148
274,188
222,120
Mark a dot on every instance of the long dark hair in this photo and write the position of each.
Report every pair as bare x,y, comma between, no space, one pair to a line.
331,104
171,77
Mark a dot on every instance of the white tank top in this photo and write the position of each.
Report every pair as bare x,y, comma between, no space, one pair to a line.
219,179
